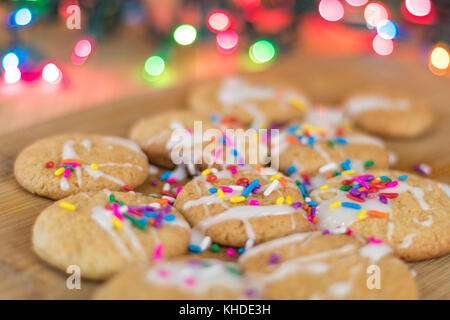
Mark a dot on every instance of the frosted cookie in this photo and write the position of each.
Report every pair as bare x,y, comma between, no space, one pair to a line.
192,279
197,147
59,166
160,134
315,266
310,149
389,114
241,207
255,103
408,212
102,232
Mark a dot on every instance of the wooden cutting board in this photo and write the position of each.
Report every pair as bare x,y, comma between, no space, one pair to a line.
24,276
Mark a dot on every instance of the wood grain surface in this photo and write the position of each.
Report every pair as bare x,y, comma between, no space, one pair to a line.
327,81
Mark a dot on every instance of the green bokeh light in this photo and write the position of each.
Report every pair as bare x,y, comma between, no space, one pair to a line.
185,34
154,65
262,51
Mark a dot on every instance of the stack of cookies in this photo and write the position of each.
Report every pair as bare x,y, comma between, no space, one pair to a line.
251,193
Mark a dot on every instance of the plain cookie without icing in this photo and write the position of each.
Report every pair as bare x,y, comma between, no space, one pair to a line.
182,279
80,162
221,206
407,212
389,114
315,266
102,232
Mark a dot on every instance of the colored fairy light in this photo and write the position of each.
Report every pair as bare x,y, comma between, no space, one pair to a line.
218,21
22,17
227,41
51,73
440,58
387,29
418,8
382,47
331,10
262,51
154,65
83,48
356,3
81,51
10,60
12,75
374,12
185,34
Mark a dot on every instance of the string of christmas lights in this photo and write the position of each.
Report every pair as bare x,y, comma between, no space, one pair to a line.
258,28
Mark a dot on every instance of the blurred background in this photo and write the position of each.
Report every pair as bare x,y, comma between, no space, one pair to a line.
61,56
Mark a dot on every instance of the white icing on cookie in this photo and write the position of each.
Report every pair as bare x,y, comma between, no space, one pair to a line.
152,169
126,143
68,152
340,289
113,164
324,117
426,223
99,174
87,144
243,213
344,217
407,241
361,104
375,251
308,263
236,91
103,217
274,244
194,277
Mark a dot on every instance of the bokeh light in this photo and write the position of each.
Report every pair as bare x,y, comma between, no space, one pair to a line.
440,58
418,8
22,17
83,48
10,60
387,29
81,51
357,3
227,41
382,47
154,66
51,73
262,51
218,21
375,12
331,10
12,75
185,34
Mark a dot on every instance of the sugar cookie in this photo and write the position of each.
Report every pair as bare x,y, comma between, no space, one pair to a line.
390,114
59,166
256,103
191,279
238,207
101,232
407,212
315,266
